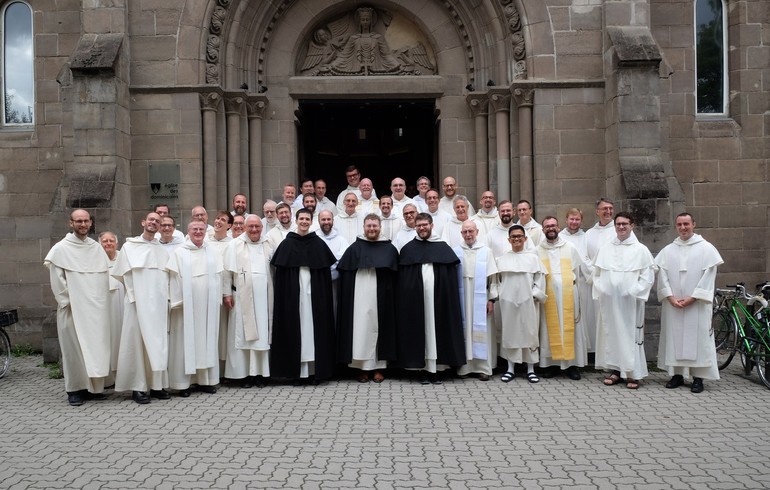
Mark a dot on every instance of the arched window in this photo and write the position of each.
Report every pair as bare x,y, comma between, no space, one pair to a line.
711,57
18,80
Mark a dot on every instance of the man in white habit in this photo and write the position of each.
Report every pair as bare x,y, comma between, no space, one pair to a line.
397,193
533,228
285,224
195,276
686,275
247,290
80,284
573,233
348,222
143,356
449,186
486,217
522,286
440,217
408,231
368,202
452,229
563,341
391,222
109,242
479,290
602,232
497,238
623,274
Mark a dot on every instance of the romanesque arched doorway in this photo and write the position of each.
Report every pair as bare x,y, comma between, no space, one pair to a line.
383,138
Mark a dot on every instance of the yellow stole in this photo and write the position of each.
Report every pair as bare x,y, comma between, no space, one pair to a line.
562,346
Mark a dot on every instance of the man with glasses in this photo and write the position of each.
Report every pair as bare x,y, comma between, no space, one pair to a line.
563,341
478,292
423,186
269,219
522,284
353,175
498,237
623,274
602,232
408,231
79,272
163,211
167,235
430,334
486,218
449,186
400,199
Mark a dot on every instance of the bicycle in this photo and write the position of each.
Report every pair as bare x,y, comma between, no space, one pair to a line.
737,328
7,318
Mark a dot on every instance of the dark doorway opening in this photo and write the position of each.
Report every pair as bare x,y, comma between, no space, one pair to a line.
383,138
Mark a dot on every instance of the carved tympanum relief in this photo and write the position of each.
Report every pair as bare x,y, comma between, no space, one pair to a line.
365,42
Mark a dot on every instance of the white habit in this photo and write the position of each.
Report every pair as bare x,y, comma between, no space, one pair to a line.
143,357
687,269
79,282
622,278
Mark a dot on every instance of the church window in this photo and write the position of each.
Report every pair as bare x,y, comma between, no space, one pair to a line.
18,81
711,57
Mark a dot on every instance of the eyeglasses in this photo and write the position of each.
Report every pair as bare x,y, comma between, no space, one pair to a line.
622,225
166,226
516,237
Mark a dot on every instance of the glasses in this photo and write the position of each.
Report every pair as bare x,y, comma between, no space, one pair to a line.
409,213
166,226
622,225
516,237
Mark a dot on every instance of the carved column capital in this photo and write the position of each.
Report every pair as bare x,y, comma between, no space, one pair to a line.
479,104
209,100
234,102
524,97
500,99
255,106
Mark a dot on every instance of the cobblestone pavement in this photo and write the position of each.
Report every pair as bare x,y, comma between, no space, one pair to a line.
462,434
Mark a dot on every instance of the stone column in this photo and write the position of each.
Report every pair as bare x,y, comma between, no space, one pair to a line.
479,104
524,98
255,108
500,99
209,104
233,108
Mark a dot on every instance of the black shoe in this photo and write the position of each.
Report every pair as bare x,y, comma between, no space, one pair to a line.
676,381
697,385
207,389
87,395
435,379
74,399
573,373
160,394
260,381
424,378
248,382
140,397
550,372
185,393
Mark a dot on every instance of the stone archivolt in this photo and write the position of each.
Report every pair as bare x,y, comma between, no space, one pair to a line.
355,44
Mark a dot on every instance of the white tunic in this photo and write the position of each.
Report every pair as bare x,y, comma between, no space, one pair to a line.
497,239
557,257
390,226
479,284
366,322
622,278
447,205
143,357
195,276
522,282
247,269
687,269
486,221
79,282
349,226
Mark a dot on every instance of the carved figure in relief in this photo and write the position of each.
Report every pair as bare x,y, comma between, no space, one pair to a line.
355,45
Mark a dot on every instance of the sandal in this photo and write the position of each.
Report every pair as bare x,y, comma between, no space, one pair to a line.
363,378
632,384
532,377
507,377
612,379
378,377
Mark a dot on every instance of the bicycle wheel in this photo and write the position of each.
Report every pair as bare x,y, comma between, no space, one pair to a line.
5,352
763,363
725,336
747,353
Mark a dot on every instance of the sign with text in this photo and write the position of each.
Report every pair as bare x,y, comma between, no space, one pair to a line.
164,184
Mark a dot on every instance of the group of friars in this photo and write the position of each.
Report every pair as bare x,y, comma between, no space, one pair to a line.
394,282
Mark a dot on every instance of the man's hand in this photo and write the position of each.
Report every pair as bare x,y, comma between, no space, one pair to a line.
229,302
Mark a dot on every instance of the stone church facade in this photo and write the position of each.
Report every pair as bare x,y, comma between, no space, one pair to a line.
555,101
